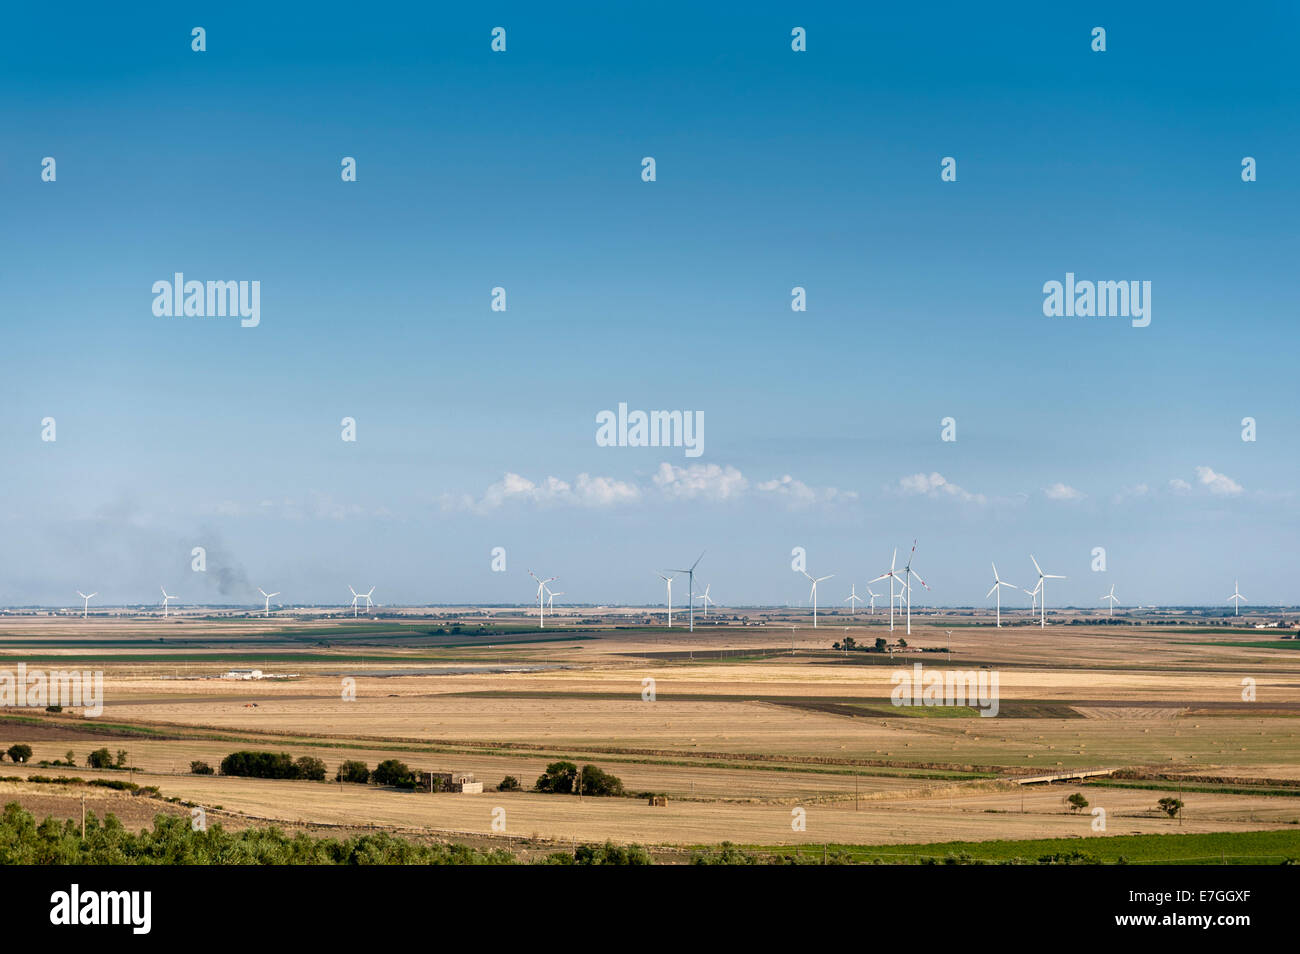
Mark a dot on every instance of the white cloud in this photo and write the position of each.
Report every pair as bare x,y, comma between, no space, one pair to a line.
936,485
1180,486
1220,484
1060,491
701,480
799,494
586,491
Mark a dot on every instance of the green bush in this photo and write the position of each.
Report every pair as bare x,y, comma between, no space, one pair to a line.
20,752
509,784
200,768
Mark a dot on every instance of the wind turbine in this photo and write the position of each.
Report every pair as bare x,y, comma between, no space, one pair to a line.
852,597
267,611
541,604
706,599
1033,598
813,592
669,581
550,599
1113,600
998,583
910,572
690,591
871,607
85,607
1236,599
1042,581
165,600
891,576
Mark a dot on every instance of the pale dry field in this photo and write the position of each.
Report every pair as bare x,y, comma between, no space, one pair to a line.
736,742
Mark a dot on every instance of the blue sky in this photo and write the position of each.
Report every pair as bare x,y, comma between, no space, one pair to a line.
522,169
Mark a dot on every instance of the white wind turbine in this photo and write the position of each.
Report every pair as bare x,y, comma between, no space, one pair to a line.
1033,598
550,599
165,600
813,592
85,607
871,606
358,596
891,576
853,600
690,586
541,593
910,573
1113,600
1236,599
998,583
706,599
1042,581
667,580
267,610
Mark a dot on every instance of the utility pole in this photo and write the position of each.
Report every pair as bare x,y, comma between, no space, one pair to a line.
83,817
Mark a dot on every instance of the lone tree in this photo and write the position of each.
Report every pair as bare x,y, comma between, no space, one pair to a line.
1077,802
881,644
393,772
20,752
200,768
1170,806
509,784
100,759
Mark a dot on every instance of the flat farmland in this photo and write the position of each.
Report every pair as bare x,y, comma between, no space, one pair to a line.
732,727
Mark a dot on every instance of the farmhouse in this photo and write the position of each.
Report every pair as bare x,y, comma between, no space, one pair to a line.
463,782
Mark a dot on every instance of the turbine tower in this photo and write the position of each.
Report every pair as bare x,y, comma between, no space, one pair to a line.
165,600
1113,600
1042,581
1236,599
871,607
853,600
813,592
541,590
85,607
267,611
910,573
669,580
690,591
891,576
998,583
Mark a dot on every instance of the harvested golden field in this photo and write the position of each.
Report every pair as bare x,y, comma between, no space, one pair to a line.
735,730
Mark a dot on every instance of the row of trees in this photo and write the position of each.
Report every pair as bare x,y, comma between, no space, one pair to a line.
849,644
267,765
98,759
564,778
